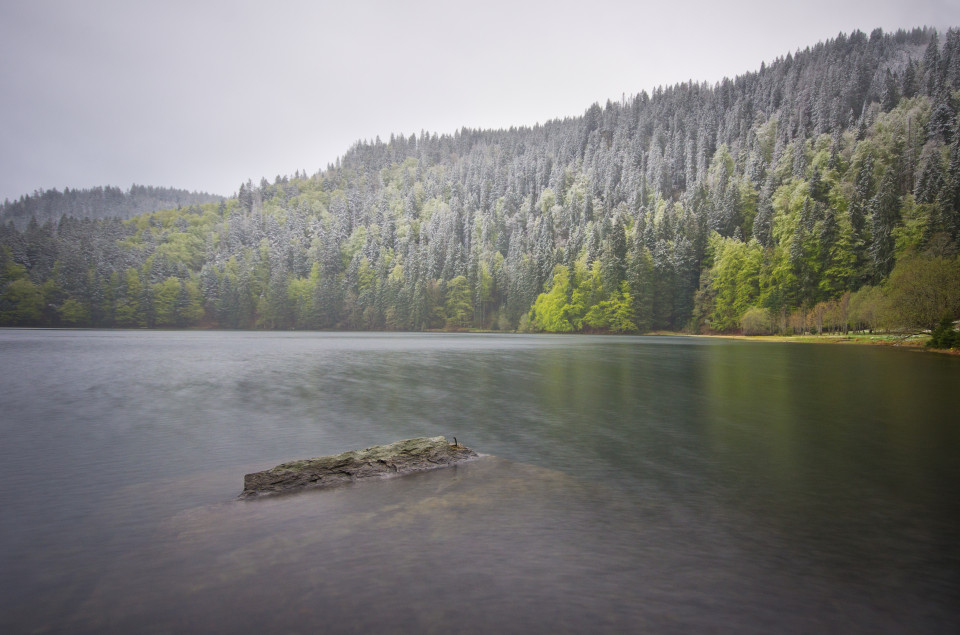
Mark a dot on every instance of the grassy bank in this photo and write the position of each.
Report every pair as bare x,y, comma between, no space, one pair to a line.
864,339
917,342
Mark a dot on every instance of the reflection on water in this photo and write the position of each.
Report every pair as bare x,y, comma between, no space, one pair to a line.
635,484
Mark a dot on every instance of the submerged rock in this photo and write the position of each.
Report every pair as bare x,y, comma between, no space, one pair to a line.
402,457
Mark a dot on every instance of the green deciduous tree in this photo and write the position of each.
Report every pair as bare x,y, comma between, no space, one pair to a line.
551,311
756,321
129,312
921,291
458,307
866,308
614,315
73,312
21,303
736,280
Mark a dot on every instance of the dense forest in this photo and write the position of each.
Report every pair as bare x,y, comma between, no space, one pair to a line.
98,202
821,192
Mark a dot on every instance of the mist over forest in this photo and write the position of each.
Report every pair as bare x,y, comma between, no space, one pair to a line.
98,202
819,192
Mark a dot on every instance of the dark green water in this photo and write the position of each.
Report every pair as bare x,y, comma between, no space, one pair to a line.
651,484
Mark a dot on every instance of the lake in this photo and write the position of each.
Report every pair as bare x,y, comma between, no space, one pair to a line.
627,484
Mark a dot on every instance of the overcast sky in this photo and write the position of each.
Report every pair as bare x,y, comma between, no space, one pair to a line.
204,95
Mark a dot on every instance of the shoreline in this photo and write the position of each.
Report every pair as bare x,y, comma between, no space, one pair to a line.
913,342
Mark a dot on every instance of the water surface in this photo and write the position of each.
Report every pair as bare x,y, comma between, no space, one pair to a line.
667,484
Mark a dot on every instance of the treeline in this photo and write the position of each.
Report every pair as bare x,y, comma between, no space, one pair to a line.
98,202
809,183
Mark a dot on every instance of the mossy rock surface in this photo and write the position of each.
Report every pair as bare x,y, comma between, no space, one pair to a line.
380,461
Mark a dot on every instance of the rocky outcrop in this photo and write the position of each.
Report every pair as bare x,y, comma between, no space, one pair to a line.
402,457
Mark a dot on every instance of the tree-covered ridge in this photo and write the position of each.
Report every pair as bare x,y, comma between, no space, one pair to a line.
795,197
98,202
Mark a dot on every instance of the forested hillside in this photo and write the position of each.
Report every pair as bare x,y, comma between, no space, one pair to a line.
98,202
820,191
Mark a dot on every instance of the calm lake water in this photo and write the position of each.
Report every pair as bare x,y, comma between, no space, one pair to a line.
631,484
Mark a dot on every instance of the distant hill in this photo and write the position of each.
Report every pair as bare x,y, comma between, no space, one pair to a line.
819,192
98,202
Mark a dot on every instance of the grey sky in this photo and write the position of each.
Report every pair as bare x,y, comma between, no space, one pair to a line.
204,95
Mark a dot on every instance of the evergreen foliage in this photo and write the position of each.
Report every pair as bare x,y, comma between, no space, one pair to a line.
785,199
945,335
98,202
